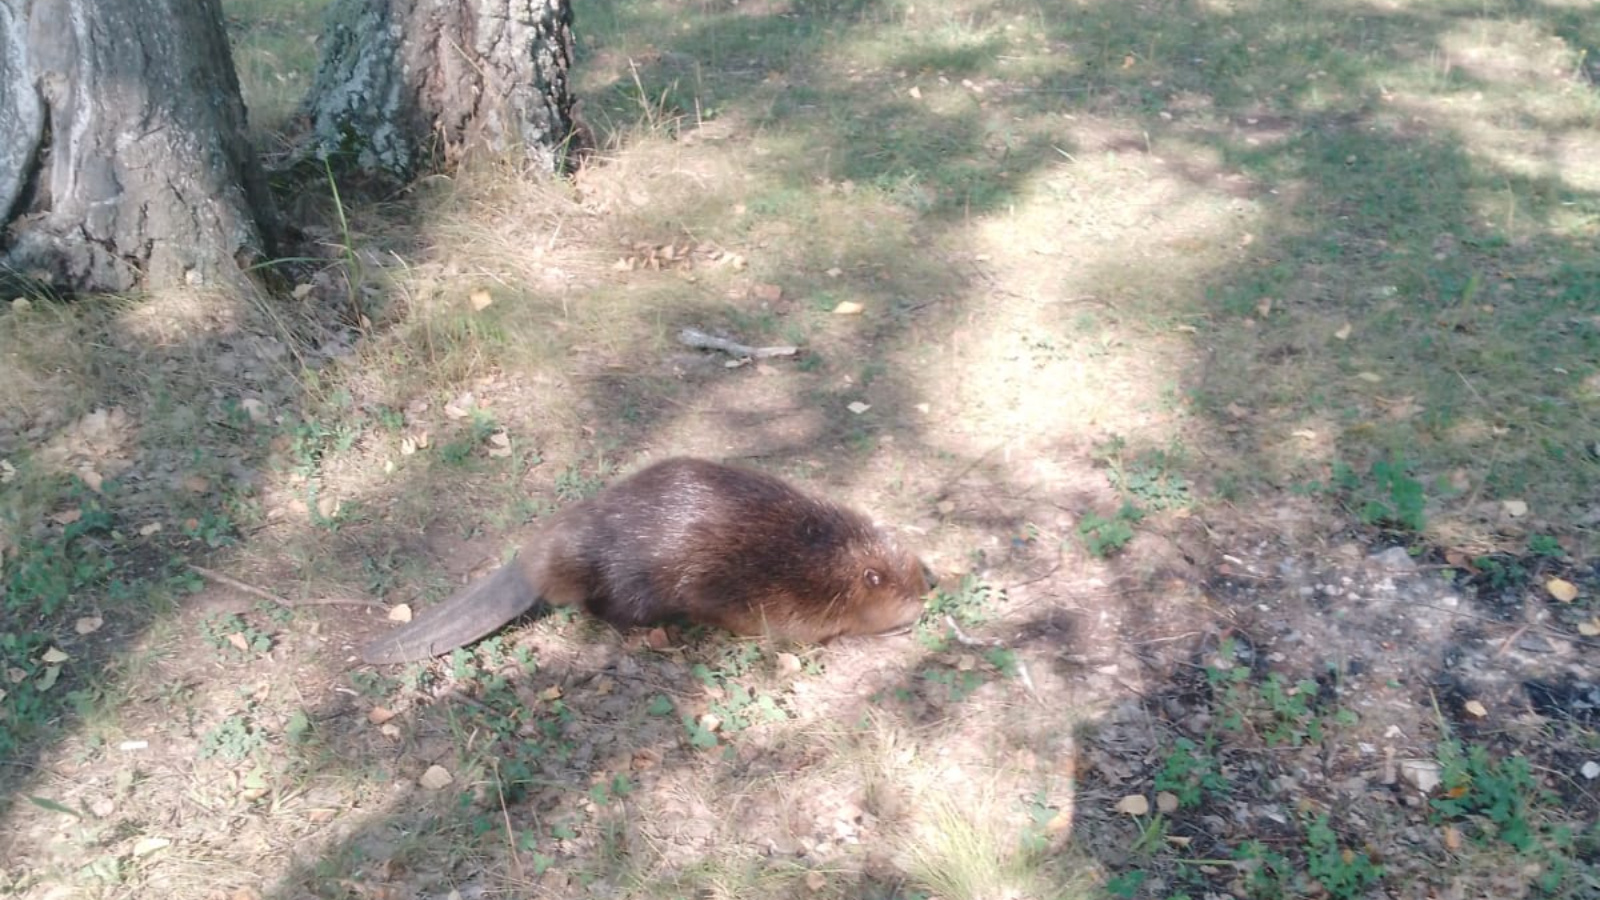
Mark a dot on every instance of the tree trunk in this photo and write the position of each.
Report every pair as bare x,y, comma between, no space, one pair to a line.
123,152
407,86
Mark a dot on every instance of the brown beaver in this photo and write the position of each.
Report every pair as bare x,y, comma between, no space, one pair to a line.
715,544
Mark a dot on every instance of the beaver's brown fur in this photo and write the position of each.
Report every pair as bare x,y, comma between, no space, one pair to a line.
685,537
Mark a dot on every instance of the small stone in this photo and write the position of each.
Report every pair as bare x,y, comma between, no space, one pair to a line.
1395,559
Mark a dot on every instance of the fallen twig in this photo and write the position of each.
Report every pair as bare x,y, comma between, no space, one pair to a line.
965,641
694,337
238,585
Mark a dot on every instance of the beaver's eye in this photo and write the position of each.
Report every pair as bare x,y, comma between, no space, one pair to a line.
872,577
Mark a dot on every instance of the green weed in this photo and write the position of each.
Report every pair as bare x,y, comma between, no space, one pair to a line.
1103,537
1191,772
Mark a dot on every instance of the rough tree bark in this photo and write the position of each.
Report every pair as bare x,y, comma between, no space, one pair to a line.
124,158
405,86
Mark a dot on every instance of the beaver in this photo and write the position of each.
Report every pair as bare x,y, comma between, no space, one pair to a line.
715,544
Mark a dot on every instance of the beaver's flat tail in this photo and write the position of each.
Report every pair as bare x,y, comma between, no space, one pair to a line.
478,610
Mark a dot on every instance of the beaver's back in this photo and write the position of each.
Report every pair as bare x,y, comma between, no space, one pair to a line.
731,547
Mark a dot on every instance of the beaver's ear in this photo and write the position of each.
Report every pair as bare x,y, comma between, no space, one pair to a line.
872,577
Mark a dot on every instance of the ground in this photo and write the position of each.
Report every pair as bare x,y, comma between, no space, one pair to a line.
1235,365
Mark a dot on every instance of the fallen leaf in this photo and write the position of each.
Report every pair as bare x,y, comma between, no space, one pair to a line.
550,693
480,299
835,272
656,639
91,478
196,484
1059,822
1343,333
1127,61
816,881
1264,307
1133,805
301,291
88,624
238,640
1475,709
67,517
321,816
53,656
149,845
1452,838
461,406
1516,509
1422,774
380,714
915,92
1370,377
858,407
400,612
945,507
848,308
1590,628
1167,802
1562,590
47,678
8,472
710,722
435,778
1305,433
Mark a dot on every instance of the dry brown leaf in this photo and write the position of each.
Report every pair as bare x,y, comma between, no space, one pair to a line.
816,881
1452,838
400,612
47,678
149,845
1590,628
1516,509
1167,802
656,639
88,624
848,308
1475,709
196,484
435,778
835,272
380,714
480,299
858,407
1133,805
53,656
238,640
1264,307
1562,589
91,478
327,507
1369,377
550,693
710,722
915,92
1343,333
